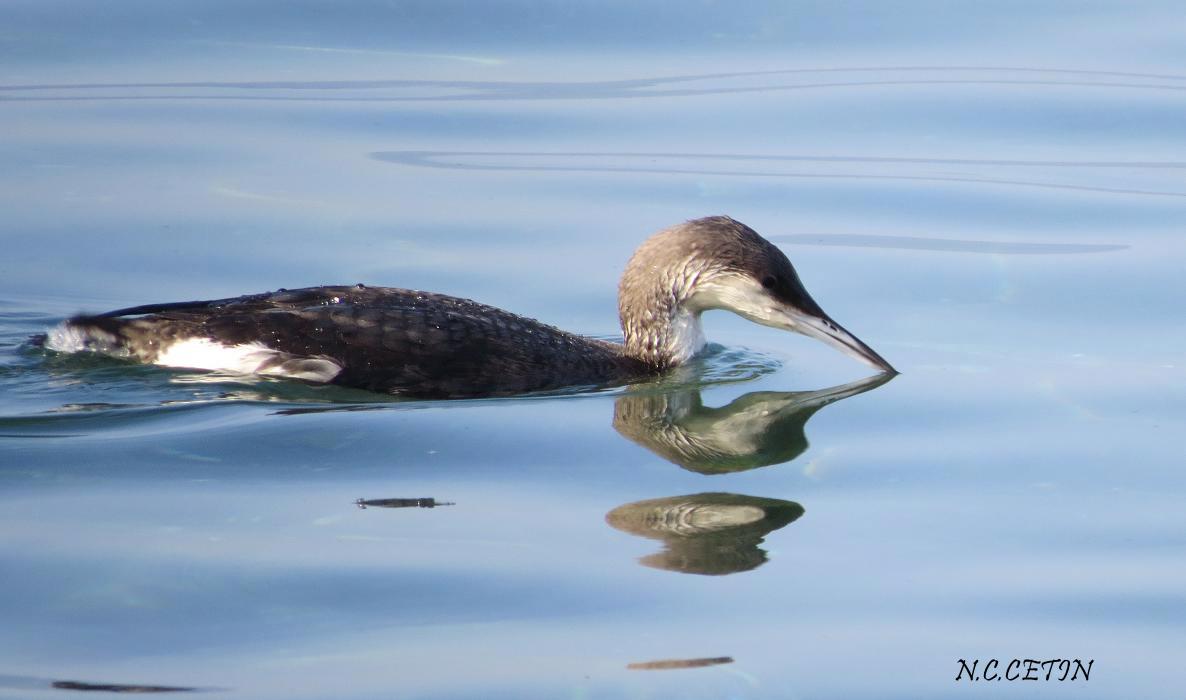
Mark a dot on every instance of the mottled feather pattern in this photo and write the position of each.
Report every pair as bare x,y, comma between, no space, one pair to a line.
396,341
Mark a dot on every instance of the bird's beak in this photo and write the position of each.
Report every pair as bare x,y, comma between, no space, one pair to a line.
821,327
803,315
792,309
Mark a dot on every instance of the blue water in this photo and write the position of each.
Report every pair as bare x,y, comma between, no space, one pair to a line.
990,194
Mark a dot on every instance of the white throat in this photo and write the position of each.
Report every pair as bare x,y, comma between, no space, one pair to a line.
685,338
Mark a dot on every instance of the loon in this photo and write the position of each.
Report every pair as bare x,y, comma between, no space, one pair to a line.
419,344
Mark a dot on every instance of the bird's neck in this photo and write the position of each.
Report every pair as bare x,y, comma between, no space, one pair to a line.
663,336
658,304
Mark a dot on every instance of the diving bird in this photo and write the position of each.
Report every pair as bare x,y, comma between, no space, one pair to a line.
419,344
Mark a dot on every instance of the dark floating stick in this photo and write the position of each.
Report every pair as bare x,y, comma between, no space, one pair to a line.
668,664
119,688
402,503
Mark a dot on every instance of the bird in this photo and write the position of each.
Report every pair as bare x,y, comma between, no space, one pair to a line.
419,344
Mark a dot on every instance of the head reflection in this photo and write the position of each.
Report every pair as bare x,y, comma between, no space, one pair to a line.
712,534
755,430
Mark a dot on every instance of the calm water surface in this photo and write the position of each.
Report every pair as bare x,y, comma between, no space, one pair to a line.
992,196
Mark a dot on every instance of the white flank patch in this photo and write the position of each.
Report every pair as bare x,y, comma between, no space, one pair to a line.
203,353
251,358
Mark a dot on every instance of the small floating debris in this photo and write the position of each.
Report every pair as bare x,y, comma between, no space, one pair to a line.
401,503
119,687
669,664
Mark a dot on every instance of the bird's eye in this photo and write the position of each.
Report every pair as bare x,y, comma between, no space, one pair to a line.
769,282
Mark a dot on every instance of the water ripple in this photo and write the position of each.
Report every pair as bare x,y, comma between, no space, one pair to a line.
650,87
947,245
645,163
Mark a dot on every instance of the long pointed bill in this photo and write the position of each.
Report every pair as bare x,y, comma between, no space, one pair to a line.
790,308
823,328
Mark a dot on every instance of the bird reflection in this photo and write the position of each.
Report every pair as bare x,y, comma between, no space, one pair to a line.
712,534
754,430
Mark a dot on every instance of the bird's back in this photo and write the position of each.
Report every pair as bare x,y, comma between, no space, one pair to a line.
396,341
